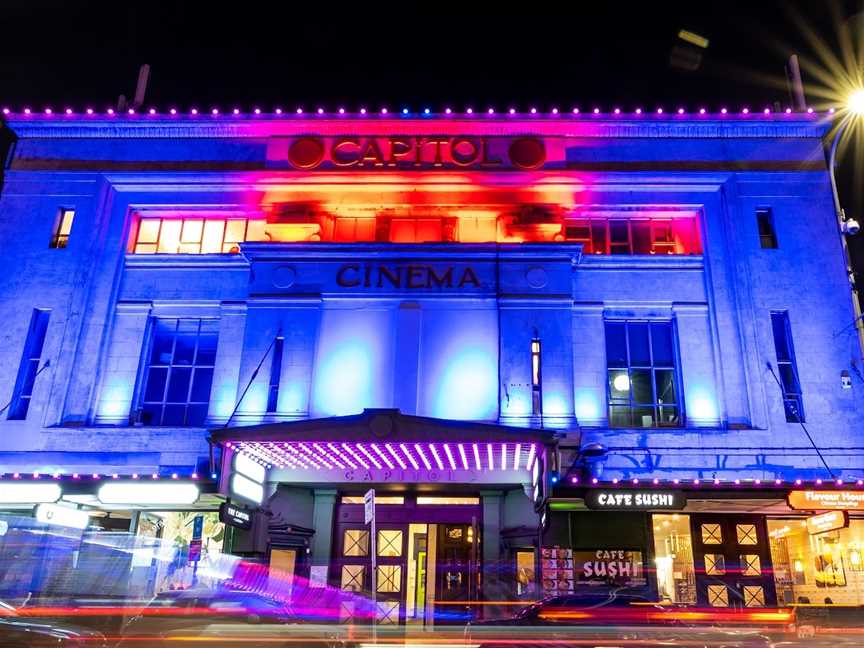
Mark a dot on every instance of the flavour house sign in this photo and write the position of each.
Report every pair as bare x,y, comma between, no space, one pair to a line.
416,152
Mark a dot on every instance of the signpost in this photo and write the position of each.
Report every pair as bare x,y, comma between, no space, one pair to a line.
369,518
195,545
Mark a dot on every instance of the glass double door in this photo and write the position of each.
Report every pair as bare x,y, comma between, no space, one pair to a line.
425,572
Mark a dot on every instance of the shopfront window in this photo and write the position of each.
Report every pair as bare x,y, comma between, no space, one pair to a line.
525,574
817,568
673,557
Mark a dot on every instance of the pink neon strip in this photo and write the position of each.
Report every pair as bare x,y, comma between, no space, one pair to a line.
463,456
393,453
449,456
384,457
516,456
359,459
476,455
531,456
503,456
423,458
437,458
320,449
342,456
313,457
489,456
301,459
410,456
369,456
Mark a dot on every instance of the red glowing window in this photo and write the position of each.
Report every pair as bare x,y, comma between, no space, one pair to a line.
634,235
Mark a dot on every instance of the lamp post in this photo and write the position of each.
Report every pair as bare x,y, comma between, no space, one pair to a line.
854,109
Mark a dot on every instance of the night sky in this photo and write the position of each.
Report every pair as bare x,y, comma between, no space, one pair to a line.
416,54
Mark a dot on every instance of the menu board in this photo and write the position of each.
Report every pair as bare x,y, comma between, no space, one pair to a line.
556,567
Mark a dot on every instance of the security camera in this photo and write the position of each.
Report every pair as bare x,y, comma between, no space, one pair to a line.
851,227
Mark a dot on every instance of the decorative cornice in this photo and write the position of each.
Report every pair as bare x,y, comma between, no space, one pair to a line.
779,126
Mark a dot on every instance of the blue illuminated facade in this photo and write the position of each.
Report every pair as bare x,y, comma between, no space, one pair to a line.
607,221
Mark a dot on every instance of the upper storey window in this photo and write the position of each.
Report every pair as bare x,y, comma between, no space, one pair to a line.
631,232
189,235
634,234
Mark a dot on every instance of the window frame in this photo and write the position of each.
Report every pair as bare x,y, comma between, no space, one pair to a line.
796,397
766,215
59,239
145,366
135,243
600,228
29,364
651,367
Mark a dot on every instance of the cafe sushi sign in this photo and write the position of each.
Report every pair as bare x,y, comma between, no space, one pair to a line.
617,567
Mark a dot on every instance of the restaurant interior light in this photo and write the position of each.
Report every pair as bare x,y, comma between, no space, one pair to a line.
148,493
29,492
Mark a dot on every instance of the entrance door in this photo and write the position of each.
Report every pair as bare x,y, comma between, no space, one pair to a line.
454,587
412,573
732,557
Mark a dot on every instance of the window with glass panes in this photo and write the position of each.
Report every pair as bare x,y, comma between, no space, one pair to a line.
634,235
787,367
642,376
179,372
189,235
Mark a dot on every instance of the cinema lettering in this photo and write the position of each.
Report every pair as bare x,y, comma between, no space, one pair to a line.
416,152
408,276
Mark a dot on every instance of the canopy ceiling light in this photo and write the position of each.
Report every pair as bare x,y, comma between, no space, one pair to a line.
314,455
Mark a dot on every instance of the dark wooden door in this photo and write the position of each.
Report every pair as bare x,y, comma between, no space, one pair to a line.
732,557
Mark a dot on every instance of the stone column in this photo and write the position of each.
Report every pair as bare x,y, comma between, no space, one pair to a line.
323,510
120,371
494,588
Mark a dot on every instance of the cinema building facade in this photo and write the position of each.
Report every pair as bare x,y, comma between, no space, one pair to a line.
565,350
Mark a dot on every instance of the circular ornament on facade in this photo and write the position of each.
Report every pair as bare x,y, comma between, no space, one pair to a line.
381,426
284,276
536,277
527,153
306,152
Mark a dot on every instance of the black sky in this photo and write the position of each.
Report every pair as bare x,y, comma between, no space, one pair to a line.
411,52
416,54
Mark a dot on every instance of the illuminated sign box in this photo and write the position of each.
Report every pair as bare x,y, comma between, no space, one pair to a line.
830,521
235,516
247,489
62,516
635,500
836,500
251,469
